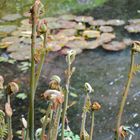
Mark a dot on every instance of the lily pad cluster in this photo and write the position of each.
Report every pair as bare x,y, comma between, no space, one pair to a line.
68,32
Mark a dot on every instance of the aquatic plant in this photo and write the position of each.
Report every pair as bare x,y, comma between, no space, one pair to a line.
133,69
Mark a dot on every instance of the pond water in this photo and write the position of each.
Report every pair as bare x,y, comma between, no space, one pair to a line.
106,71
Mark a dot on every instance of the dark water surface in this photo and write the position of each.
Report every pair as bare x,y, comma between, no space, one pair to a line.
106,71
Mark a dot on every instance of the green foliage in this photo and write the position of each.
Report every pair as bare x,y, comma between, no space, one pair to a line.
7,60
3,126
24,66
21,96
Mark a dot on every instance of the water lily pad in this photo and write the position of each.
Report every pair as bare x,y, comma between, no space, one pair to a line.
80,26
51,19
67,24
91,34
133,28
67,32
85,19
114,46
106,29
134,21
106,37
93,44
7,28
11,40
115,22
98,22
4,45
67,17
12,17
54,25
128,41
77,43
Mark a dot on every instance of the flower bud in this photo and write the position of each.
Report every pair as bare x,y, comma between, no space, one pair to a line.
42,26
70,56
95,106
122,132
12,88
24,122
8,110
88,88
1,82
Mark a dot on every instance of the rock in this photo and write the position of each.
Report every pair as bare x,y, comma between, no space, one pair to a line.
133,28
128,41
106,37
115,22
84,19
114,46
7,28
11,17
99,22
91,34
134,21
106,29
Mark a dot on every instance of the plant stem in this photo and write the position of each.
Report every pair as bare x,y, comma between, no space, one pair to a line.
32,81
82,132
45,122
41,62
125,94
66,100
92,126
56,123
9,119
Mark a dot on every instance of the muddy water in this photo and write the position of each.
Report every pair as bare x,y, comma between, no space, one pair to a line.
106,71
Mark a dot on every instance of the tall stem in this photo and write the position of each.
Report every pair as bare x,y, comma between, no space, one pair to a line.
41,61
32,78
92,126
66,100
82,132
45,122
125,94
9,120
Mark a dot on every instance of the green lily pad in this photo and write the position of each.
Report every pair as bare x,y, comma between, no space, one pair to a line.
7,28
80,26
11,17
106,29
67,32
67,17
98,22
91,34
114,46
133,28
85,19
115,22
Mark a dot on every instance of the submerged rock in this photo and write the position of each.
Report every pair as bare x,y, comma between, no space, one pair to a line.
106,29
114,46
11,17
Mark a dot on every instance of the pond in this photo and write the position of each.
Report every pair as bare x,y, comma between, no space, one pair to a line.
106,71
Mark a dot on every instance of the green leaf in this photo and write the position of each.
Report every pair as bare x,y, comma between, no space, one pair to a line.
73,95
22,96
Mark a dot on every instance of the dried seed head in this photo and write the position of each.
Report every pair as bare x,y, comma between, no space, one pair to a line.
122,132
12,88
136,46
1,82
95,106
8,110
55,82
88,88
56,97
70,56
